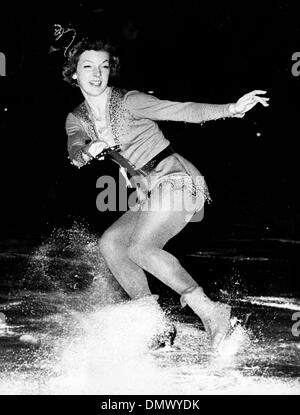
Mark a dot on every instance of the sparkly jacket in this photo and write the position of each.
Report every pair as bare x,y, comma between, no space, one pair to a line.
131,124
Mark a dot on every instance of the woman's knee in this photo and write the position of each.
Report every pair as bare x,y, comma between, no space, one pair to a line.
109,243
147,255
142,252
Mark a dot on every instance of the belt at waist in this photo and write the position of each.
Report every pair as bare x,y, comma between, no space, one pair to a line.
147,168
151,164
143,171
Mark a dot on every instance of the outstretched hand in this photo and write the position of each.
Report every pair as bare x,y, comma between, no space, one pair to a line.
248,101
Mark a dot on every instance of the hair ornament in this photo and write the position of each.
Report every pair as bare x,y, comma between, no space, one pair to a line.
59,31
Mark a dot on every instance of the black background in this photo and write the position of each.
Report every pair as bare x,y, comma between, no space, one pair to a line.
185,50
204,51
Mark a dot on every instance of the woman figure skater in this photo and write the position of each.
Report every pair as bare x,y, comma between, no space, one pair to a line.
170,188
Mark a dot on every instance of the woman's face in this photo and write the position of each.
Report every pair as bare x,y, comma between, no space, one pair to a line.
92,72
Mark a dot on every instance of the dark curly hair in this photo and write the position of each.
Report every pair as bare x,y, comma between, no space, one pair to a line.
70,65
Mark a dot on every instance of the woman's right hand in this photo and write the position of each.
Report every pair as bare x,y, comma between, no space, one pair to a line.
96,148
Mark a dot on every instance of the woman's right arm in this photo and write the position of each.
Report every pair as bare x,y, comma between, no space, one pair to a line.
78,142
81,148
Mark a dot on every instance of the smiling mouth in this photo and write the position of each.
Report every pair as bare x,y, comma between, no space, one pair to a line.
95,83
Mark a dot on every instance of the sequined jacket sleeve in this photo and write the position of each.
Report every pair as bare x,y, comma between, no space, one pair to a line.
143,105
77,140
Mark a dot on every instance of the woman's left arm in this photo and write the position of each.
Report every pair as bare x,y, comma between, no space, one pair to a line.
147,106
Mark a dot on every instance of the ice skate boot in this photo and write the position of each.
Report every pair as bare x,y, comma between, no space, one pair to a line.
215,316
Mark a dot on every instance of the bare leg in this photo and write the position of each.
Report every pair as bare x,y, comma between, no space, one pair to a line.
158,222
114,245
155,226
